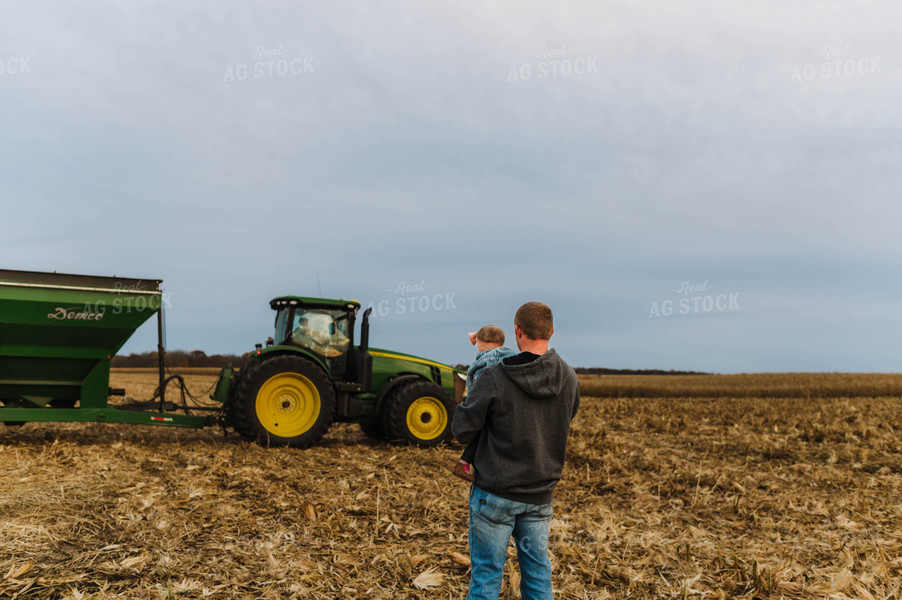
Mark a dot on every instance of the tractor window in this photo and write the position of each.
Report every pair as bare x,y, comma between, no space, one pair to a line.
281,318
322,331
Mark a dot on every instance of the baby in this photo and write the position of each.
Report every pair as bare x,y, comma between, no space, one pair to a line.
489,342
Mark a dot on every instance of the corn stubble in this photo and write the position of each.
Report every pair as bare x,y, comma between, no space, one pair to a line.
674,495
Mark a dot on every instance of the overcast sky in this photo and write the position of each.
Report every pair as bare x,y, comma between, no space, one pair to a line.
611,159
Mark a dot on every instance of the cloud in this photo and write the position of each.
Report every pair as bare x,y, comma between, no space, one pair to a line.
404,150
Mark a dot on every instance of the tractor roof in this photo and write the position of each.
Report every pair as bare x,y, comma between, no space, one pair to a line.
281,301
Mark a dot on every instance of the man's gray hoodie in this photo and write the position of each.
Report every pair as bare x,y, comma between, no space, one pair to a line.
520,409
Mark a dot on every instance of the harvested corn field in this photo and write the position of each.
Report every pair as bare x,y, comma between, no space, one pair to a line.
669,496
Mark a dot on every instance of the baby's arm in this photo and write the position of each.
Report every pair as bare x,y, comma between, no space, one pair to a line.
470,416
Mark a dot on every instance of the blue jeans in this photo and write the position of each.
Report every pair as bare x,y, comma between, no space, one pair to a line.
492,521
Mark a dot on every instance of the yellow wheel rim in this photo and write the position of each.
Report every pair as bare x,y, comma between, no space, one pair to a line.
426,418
288,404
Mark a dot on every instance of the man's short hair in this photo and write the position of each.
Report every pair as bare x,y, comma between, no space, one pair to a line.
535,320
490,334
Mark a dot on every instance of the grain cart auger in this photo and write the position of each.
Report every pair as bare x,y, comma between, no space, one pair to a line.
57,335
310,374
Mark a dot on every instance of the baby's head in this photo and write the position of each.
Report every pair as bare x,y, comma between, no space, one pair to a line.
487,338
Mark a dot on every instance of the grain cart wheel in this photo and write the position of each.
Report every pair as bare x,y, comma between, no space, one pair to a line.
284,401
419,412
373,429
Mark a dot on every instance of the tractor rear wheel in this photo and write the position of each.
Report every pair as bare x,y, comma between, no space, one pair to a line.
420,413
284,401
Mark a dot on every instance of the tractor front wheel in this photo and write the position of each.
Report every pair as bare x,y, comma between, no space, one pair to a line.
284,401
420,413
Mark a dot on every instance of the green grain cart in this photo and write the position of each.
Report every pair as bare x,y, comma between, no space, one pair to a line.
58,333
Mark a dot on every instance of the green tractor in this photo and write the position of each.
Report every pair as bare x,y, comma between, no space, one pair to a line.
311,374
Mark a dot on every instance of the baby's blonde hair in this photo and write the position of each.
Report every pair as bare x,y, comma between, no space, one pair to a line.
490,334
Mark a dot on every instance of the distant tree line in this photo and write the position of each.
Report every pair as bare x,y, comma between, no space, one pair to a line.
179,359
198,358
605,371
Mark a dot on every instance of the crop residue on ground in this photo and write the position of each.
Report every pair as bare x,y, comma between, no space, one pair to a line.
671,496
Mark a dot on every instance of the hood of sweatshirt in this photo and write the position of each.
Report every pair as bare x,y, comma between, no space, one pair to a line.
540,378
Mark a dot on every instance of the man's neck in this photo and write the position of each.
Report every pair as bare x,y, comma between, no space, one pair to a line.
535,346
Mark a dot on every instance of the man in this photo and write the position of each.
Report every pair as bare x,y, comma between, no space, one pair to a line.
520,411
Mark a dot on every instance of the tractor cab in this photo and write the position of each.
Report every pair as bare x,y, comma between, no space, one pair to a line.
321,326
